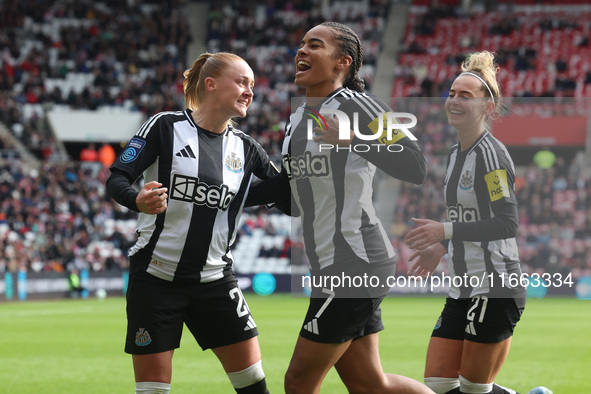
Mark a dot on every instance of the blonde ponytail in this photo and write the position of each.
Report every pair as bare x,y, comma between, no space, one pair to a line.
207,65
484,66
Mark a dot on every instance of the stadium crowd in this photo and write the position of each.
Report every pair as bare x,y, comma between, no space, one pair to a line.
85,55
542,48
132,54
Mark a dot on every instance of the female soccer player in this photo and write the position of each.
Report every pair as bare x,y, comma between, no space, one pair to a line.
197,171
331,182
471,339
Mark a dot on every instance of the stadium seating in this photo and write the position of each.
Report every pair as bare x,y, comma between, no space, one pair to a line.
530,39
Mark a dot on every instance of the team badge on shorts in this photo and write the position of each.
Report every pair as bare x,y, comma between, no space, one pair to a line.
233,162
438,324
142,337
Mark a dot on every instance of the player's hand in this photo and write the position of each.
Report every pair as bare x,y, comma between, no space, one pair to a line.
428,232
331,135
426,260
152,199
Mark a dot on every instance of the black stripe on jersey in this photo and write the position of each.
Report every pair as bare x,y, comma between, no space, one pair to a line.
480,188
297,147
488,155
235,209
373,241
338,162
451,199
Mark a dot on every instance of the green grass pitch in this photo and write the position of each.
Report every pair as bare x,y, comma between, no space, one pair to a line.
76,346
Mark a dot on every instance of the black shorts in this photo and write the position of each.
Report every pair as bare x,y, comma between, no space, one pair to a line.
338,315
215,313
479,319
338,320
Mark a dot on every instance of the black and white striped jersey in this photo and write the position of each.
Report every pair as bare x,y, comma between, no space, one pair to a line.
208,177
333,188
481,204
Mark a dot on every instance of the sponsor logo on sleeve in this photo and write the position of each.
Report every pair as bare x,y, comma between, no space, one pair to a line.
132,150
497,185
380,125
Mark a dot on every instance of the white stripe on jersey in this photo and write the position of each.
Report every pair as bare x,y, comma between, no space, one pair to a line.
147,126
490,155
373,108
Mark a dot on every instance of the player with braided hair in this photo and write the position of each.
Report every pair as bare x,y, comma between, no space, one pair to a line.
342,233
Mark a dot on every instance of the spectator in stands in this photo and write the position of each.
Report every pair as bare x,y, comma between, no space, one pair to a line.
187,239
75,288
106,154
89,153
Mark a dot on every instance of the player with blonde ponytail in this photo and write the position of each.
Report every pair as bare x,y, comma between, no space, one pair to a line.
197,170
472,336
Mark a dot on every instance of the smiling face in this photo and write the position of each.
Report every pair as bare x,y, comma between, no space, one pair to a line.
233,89
467,106
317,67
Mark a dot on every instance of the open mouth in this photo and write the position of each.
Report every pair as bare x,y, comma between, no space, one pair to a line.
243,102
303,66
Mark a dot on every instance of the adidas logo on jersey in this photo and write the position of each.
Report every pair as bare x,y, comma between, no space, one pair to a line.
312,326
305,166
461,214
190,189
186,152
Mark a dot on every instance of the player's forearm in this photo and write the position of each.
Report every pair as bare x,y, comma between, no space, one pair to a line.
268,191
120,189
502,226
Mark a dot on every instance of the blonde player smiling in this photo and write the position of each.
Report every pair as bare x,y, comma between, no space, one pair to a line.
471,339
197,170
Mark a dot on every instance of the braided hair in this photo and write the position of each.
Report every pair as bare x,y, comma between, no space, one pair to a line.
349,44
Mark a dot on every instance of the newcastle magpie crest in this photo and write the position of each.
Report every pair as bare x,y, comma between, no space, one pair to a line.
466,181
142,337
233,162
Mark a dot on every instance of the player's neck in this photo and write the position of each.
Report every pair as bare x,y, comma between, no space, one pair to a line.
469,137
207,119
321,91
